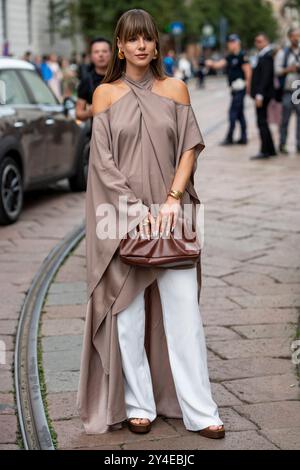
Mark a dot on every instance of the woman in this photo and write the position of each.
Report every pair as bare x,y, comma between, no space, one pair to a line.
144,350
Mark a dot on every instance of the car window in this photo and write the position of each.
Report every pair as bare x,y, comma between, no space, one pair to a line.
41,93
14,92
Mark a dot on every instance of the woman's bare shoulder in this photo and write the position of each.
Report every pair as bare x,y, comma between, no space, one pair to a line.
105,94
175,89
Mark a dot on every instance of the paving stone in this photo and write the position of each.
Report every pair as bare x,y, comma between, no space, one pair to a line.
71,434
234,421
6,381
279,330
62,287
284,438
8,429
62,406
7,406
220,333
64,311
62,343
273,415
55,361
8,327
251,348
66,298
265,389
226,369
65,381
244,440
248,316
276,301
9,447
222,396
63,327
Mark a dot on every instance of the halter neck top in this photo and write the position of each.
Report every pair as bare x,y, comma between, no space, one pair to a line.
145,82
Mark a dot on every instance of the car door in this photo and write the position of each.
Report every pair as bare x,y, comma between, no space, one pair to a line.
61,130
26,122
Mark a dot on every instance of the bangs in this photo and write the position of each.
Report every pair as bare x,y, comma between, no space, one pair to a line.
136,23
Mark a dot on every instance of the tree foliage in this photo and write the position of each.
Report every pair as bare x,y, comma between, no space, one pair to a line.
245,17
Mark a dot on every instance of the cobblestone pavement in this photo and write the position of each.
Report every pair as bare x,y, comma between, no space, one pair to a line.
249,303
48,217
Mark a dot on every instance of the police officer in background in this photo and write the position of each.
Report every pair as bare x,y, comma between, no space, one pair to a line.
239,78
100,54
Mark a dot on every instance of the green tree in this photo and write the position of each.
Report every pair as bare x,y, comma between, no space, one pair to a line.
245,17
93,18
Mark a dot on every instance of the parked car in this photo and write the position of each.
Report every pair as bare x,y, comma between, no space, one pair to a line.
40,139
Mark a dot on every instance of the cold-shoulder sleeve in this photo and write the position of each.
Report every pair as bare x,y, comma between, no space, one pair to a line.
188,131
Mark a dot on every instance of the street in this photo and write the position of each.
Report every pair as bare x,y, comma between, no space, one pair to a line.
250,300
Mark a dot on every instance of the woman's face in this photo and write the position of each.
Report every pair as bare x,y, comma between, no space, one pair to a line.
138,50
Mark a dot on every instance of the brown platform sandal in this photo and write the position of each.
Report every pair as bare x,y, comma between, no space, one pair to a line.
139,428
212,433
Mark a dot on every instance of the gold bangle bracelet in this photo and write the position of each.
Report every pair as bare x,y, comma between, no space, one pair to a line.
175,193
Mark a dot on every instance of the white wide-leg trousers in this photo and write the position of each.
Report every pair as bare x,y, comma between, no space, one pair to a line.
186,348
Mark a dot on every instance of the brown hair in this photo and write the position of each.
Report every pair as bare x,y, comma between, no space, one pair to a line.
132,23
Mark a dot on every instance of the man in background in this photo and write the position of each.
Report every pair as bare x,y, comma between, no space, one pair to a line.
287,69
262,91
100,54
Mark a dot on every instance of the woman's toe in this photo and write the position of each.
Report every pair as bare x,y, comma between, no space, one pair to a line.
145,420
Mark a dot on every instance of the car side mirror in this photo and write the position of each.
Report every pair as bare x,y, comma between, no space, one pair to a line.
69,105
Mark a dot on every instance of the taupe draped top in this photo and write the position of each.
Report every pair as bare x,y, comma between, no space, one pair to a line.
135,150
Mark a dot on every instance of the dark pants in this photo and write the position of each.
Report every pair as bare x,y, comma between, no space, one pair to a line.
288,107
267,144
236,113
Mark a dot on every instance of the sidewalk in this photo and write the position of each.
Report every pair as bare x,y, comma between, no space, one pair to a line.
250,302
46,219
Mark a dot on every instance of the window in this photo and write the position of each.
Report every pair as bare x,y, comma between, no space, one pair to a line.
14,91
39,90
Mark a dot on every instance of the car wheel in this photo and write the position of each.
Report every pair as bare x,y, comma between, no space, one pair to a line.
78,181
11,191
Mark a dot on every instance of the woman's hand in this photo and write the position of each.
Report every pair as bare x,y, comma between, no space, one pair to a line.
163,223
167,216
147,226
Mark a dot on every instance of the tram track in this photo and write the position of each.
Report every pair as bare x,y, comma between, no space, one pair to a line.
31,412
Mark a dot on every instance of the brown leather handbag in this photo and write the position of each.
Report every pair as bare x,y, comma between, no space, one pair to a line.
180,248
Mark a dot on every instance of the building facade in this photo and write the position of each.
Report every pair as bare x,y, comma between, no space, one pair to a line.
25,25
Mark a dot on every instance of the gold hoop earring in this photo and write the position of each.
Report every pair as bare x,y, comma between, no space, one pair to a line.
121,55
156,54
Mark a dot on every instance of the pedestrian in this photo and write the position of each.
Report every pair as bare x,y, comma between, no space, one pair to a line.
184,68
69,79
46,71
100,54
84,66
239,77
55,82
145,142
287,69
201,69
263,91
169,63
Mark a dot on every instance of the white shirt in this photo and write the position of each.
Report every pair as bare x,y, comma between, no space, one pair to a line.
293,59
